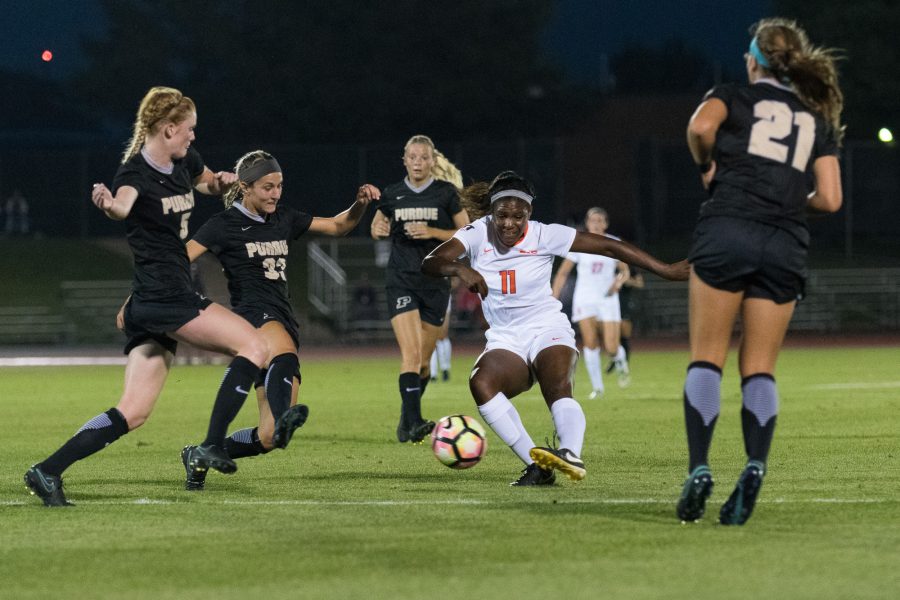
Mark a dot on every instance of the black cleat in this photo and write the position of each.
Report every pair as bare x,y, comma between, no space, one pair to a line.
739,506
48,488
416,433
195,479
292,419
697,488
204,458
446,375
561,459
533,474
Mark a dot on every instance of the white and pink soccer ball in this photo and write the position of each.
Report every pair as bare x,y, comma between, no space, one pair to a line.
458,441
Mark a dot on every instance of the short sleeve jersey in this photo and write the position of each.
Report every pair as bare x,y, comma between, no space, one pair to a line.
596,274
518,278
764,152
254,254
157,225
435,204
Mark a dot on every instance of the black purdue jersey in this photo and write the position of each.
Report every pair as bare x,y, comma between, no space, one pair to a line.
158,223
254,254
435,205
764,155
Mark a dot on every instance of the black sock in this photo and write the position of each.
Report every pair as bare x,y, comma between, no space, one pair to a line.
235,386
280,382
701,409
626,344
423,383
759,414
95,435
243,443
411,398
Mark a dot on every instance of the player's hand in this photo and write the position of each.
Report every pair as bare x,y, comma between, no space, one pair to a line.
102,197
225,179
120,319
368,193
381,228
706,178
679,271
416,230
473,280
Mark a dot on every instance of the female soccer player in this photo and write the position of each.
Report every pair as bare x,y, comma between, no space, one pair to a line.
595,304
251,239
529,337
767,154
153,194
417,214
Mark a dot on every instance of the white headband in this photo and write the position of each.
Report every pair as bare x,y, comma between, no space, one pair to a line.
514,193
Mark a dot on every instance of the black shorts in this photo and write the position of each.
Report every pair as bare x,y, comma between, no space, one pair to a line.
260,315
739,255
147,320
431,303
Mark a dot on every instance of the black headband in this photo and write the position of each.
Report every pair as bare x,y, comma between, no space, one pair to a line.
259,170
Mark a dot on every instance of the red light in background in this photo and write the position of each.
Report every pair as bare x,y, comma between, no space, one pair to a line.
46,56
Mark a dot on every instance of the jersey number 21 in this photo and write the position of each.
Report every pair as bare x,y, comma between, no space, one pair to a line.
776,121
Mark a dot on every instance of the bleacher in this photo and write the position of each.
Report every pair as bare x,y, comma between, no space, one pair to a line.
93,305
34,325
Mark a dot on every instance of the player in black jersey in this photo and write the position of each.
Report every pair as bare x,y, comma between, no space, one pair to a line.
252,241
153,192
417,214
767,154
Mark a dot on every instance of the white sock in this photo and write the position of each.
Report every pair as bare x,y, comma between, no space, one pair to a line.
434,364
592,363
444,348
500,414
570,424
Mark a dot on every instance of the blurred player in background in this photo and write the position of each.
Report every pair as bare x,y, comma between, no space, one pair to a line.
529,338
417,214
595,304
153,193
767,154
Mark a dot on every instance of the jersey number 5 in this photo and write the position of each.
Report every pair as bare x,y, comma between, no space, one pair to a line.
776,121
508,282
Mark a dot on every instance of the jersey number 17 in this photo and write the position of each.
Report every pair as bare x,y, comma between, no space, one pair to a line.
776,121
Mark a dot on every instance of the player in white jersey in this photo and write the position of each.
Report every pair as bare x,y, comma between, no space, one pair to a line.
510,262
595,304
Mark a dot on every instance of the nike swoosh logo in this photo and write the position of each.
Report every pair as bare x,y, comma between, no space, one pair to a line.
245,228
413,389
287,382
400,197
238,389
486,250
554,339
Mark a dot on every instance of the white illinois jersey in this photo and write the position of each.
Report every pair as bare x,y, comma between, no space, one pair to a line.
596,275
518,278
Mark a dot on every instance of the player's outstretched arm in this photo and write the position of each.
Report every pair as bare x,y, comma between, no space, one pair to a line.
344,222
442,263
598,244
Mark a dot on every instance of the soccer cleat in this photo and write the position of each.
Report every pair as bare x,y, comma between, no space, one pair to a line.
49,488
195,479
292,419
446,375
414,434
208,457
623,373
533,474
560,459
697,488
596,395
740,503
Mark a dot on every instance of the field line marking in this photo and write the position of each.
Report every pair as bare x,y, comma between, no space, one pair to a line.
857,385
61,361
456,502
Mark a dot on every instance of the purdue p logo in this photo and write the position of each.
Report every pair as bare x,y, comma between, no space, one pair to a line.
402,301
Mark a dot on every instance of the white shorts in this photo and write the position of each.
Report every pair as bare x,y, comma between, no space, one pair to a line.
528,345
606,309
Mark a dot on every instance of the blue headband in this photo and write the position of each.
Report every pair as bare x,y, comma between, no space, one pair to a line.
757,54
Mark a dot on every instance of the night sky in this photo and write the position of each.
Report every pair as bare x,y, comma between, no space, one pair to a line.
582,33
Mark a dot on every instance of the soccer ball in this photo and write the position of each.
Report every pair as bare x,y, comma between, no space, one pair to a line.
458,441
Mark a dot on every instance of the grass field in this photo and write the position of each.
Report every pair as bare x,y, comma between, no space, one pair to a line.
346,512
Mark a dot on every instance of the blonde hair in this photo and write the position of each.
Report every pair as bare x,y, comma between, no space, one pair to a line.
442,169
247,160
159,106
809,69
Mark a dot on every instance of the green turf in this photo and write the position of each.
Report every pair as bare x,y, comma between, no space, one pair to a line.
346,512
